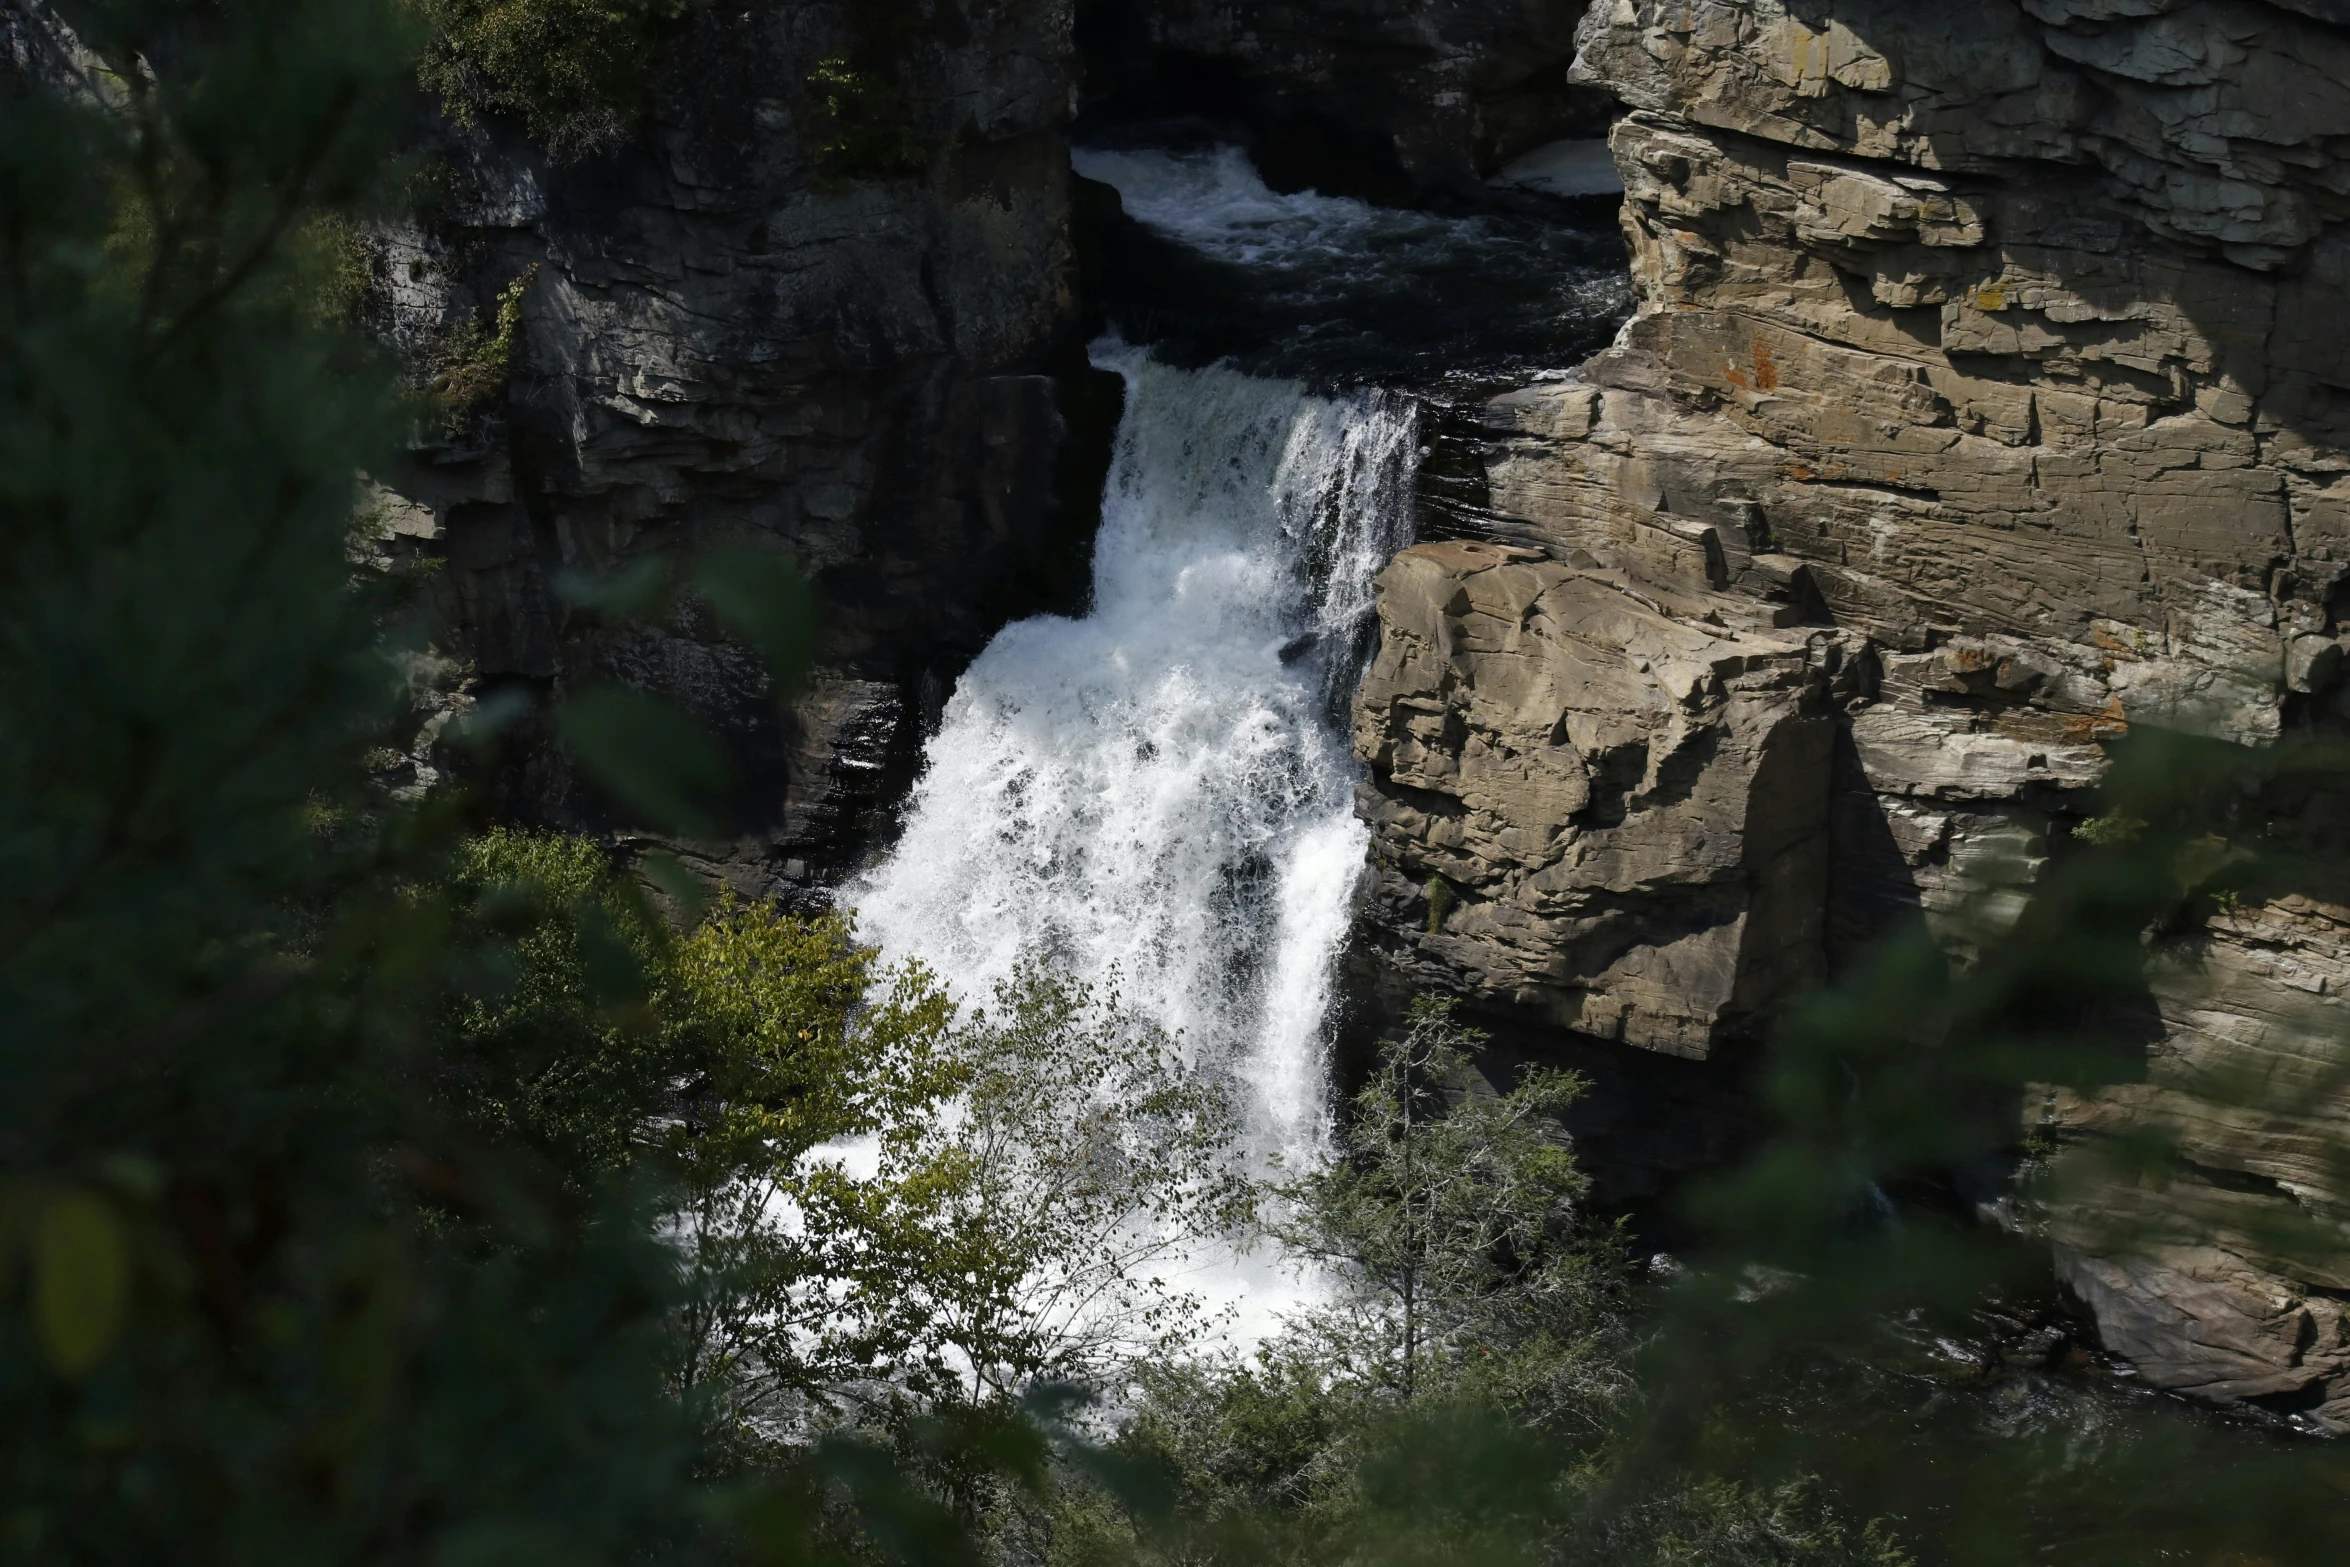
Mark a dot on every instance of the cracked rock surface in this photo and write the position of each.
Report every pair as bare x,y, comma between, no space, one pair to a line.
727,341
1989,395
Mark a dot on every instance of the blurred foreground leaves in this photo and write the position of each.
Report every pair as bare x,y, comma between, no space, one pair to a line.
373,1189
1849,1304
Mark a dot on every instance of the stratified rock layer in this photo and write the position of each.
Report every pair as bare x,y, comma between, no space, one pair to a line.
1628,806
1990,390
732,336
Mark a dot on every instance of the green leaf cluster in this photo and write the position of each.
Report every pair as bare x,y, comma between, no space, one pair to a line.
1453,1223
554,1042
571,71
471,364
1462,1392
267,1296
883,1205
865,124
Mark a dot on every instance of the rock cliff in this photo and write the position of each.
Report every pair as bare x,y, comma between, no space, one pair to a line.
1989,394
725,335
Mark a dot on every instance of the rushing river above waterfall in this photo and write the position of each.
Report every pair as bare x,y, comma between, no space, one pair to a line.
1339,292
1211,266
1158,794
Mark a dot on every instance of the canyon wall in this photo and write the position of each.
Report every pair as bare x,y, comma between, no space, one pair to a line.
1989,394
732,332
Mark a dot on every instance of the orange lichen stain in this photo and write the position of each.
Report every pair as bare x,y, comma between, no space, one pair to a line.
1799,472
2097,726
1971,660
1766,369
1735,376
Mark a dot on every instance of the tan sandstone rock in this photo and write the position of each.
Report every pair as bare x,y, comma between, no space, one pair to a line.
1989,394
1612,815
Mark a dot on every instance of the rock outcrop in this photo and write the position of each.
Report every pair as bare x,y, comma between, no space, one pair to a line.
1603,811
1990,392
725,336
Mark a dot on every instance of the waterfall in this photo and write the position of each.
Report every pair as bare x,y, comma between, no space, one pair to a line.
1162,789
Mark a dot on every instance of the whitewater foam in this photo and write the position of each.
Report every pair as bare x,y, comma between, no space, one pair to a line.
1161,789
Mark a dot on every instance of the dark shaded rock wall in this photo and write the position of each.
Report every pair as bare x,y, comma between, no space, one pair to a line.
1989,395
726,341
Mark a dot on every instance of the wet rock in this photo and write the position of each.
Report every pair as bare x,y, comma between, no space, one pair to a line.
731,339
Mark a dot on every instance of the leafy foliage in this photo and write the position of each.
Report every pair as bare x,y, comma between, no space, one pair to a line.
866,126
883,1206
572,71
337,269
472,365
554,1044
1013,1239
232,1323
1455,1236
1458,1396
991,1196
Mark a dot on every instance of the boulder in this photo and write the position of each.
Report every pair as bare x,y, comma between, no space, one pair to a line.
1598,810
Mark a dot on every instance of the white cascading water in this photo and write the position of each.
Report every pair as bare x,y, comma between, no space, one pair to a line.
1162,789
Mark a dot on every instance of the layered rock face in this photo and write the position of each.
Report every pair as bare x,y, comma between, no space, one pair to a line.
726,336
1354,97
1989,395
1625,799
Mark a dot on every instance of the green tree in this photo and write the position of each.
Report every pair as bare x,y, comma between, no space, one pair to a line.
788,1037
554,1042
923,1210
1461,1394
571,71
1472,1307
1453,1229
883,1206
1017,1235
237,1322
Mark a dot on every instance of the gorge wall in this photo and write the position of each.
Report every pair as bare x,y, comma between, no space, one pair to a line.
730,333
1989,394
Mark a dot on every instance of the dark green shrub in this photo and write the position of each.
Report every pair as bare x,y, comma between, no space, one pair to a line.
865,125
472,365
571,71
263,1297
